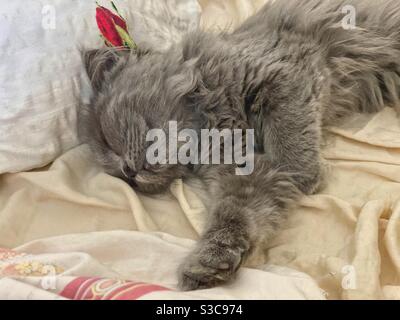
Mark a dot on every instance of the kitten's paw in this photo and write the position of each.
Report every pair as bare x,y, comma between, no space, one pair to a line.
212,264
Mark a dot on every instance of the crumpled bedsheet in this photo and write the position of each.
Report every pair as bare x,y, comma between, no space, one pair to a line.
69,231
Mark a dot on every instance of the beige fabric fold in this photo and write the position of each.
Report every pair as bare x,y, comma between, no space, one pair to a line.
225,15
347,236
73,195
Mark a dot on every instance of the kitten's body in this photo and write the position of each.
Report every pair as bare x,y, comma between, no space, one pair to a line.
287,72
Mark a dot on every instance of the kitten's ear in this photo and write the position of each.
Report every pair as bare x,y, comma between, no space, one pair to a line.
101,62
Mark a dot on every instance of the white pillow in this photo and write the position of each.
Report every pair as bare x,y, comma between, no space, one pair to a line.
41,72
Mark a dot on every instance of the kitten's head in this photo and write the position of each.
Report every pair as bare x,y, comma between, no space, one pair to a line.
132,94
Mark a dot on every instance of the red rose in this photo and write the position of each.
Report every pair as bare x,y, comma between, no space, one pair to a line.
113,28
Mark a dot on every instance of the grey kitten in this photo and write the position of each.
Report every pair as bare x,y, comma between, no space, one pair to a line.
286,72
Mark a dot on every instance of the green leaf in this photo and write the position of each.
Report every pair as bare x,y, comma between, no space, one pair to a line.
115,7
126,37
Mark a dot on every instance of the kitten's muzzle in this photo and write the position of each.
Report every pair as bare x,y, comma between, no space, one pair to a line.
129,172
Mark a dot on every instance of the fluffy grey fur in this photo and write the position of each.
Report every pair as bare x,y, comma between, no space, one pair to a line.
286,72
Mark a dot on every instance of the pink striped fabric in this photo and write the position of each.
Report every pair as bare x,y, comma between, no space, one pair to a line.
86,288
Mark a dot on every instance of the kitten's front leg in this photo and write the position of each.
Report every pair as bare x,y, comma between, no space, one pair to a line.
248,211
220,251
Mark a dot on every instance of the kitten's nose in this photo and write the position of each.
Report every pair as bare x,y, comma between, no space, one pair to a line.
128,172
